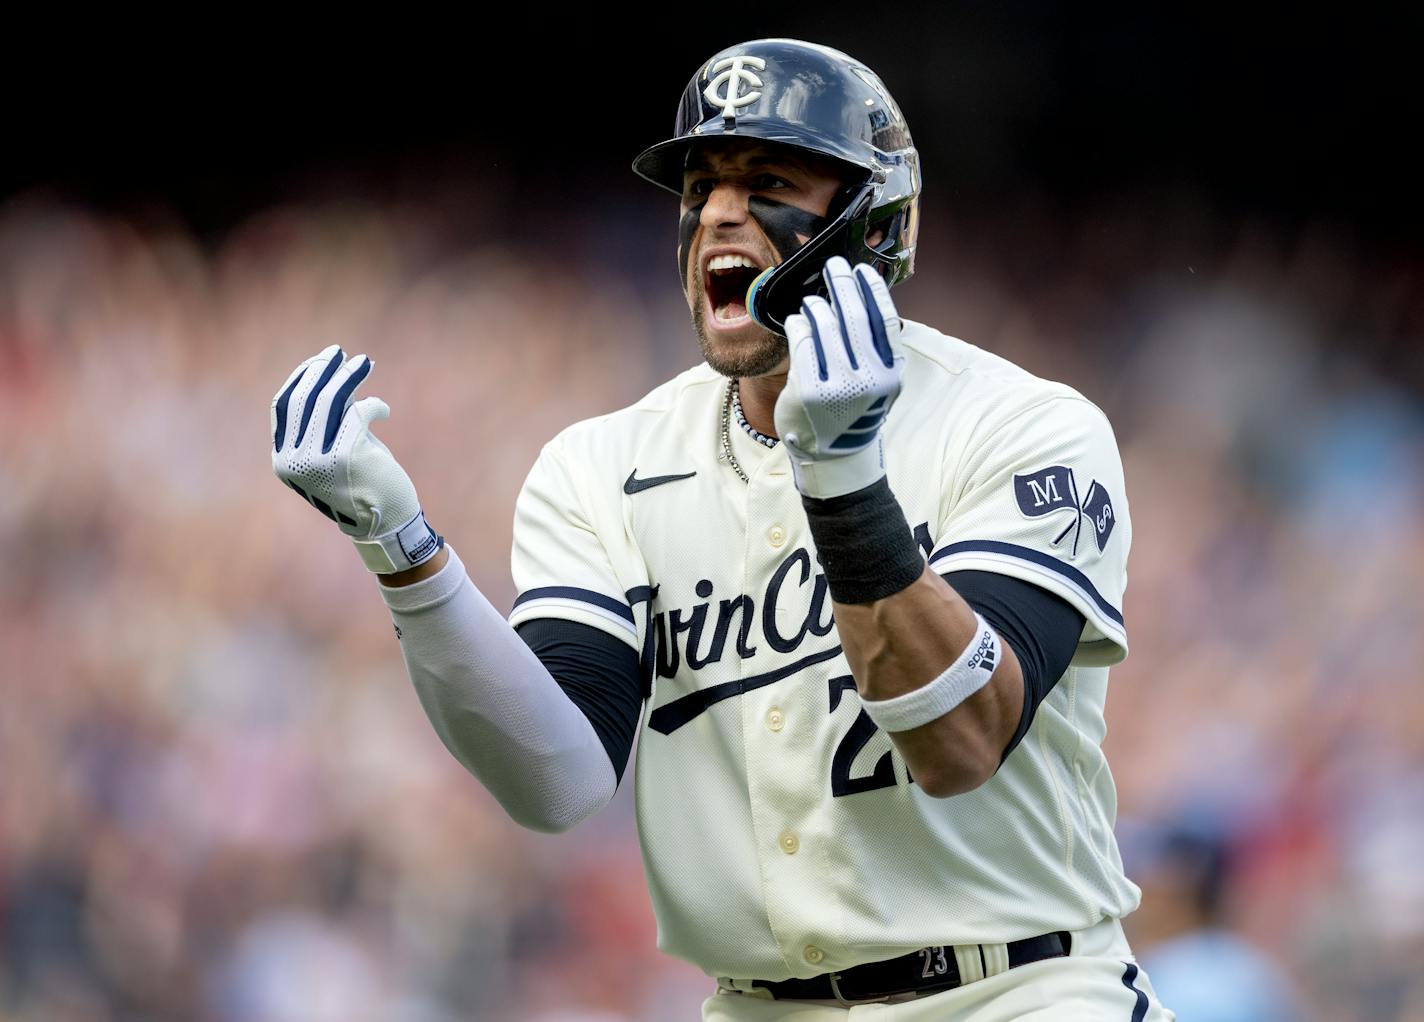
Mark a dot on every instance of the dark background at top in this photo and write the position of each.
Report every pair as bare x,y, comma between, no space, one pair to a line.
1274,114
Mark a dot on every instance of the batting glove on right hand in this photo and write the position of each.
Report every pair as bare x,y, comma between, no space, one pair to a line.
323,448
844,376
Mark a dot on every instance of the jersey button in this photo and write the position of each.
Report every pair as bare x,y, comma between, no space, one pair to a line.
775,719
814,955
789,842
776,535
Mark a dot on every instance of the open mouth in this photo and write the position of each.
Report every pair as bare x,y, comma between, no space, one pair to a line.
726,279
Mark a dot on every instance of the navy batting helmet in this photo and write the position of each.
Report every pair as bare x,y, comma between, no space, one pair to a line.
819,100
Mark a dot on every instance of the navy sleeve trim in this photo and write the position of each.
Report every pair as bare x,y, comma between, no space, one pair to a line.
566,594
1041,627
1036,557
598,672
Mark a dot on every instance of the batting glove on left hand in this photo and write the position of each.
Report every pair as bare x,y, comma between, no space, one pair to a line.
323,448
844,376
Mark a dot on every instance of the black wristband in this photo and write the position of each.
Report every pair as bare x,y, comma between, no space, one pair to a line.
867,550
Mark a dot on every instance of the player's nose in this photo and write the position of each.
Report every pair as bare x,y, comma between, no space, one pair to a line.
727,206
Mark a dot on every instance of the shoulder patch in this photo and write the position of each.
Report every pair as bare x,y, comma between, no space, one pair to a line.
1054,489
1099,509
1045,491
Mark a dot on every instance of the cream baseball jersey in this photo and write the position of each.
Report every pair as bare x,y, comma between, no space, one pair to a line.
782,835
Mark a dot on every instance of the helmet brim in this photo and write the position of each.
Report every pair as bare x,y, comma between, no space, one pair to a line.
663,164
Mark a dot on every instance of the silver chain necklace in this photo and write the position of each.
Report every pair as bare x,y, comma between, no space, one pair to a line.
747,427
727,435
731,405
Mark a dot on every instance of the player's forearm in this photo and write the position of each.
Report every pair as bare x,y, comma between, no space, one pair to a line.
898,644
495,706
909,639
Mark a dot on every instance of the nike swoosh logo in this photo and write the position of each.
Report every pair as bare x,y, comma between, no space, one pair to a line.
636,485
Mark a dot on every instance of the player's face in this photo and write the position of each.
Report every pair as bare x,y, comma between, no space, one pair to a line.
726,246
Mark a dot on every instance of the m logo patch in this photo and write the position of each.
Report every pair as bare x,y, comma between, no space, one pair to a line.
1054,489
1044,491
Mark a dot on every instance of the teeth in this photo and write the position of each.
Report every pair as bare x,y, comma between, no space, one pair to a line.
723,263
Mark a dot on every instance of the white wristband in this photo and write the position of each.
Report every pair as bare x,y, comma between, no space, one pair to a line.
413,543
959,681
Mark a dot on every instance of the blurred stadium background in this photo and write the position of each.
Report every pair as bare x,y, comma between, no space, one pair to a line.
219,799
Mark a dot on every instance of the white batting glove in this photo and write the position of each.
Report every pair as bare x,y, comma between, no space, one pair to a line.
322,447
844,376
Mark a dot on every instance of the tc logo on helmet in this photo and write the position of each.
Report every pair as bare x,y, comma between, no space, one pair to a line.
732,72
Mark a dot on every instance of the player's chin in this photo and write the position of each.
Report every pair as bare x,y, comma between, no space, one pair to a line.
737,346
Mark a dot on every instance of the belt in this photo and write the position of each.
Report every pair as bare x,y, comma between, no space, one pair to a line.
926,971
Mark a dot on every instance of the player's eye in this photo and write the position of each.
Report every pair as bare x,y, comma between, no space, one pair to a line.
700,188
769,182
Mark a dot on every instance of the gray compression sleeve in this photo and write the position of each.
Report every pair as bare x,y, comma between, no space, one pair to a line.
495,706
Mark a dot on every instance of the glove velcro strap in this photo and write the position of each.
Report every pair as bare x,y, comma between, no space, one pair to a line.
958,682
413,543
825,477
866,548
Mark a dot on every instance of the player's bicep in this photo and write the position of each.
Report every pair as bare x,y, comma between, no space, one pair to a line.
600,675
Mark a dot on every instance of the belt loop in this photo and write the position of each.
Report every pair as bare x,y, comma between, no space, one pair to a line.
971,965
996,958
742,986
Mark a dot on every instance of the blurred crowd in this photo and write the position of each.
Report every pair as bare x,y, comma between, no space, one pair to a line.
220,801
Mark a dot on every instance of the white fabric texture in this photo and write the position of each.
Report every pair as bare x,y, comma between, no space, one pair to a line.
968,674
844,376
495,706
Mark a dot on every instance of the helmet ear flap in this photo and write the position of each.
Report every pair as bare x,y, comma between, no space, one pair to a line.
893,252
852,190
888,234
885,253
776,294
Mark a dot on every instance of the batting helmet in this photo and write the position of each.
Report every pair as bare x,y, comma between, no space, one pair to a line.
819,100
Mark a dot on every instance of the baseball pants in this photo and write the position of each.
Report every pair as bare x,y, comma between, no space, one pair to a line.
1098,982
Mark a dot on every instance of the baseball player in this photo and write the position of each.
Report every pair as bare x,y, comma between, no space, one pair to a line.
857,583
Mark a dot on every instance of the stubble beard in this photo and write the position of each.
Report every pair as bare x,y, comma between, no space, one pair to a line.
758,355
